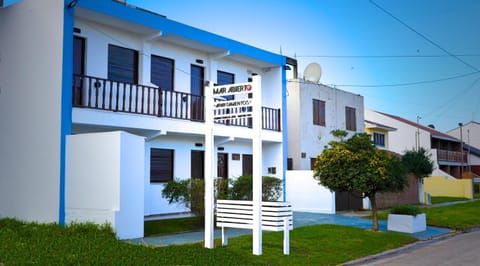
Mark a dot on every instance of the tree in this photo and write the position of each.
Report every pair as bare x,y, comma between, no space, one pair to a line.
418,163
355,165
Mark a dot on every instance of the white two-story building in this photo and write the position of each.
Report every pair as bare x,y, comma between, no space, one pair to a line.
72,68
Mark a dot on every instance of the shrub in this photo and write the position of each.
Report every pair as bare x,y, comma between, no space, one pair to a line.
242,187
406,210
189,192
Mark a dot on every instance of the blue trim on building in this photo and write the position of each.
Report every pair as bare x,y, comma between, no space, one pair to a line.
168,26
66,101
284,130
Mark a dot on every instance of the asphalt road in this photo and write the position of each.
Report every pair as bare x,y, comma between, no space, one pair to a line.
461,249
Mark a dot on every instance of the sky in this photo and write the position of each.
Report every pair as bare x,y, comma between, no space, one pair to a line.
411,58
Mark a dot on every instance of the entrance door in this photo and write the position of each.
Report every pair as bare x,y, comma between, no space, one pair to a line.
197,164
247,164
222,165
197,93
345,201
78,69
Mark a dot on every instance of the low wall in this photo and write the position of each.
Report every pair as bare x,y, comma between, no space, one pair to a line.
440,186
104,181
306,195
408,196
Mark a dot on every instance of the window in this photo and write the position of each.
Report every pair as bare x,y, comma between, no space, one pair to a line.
161,165
122,64
289,164
224,78
379,139
247,164
312,163
162,72
350,119
318,112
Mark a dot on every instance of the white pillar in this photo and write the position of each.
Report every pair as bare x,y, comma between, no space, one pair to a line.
209,165
257,164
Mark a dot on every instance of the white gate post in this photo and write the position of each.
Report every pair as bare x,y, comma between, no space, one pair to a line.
209,164
257,164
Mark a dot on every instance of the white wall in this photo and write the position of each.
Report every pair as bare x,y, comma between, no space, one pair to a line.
303,136
182,146
30,93
104,181
470,133
306,195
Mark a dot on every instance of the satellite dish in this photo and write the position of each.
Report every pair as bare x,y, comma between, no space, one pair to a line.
312,73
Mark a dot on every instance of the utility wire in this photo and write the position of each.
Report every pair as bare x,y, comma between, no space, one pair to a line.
389,56
423,36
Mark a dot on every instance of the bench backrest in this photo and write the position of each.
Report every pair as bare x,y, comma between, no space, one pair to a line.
239,214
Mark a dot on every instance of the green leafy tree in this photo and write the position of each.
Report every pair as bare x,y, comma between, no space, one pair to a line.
418,163
356,166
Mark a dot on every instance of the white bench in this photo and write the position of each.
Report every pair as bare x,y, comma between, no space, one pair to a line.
276,216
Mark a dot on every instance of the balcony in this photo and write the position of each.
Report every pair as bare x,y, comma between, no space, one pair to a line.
451,156
109,95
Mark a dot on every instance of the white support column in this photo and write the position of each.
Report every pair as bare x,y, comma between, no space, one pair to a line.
209,166
144,64
257,164
286,236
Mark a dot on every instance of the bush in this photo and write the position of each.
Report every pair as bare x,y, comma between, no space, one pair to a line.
406,210
242,187
190,192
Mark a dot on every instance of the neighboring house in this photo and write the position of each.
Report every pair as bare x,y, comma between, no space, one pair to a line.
445,150
410,195
133,71
471,139
379,133
314,110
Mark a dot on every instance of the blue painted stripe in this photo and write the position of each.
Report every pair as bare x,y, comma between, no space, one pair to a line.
167,26
6,3
66,102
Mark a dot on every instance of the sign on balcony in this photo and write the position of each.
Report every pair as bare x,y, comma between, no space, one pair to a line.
224,90
225,108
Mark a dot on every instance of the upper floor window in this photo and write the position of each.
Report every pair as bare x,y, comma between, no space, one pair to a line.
162,72
122,64
225,78
379,139
350,119
318,112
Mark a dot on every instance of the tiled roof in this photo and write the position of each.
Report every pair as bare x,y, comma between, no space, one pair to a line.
433,132
378,125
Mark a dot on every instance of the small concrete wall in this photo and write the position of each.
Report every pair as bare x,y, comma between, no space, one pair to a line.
441,186
306,195
104,181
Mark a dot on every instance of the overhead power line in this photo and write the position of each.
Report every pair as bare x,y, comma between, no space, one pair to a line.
391,56
423,36
408,83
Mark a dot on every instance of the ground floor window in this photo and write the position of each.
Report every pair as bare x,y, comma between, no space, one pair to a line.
161,165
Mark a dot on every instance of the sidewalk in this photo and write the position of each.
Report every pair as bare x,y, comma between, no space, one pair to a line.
299,219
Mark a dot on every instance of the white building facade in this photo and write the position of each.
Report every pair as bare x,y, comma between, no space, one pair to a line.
314,110
133,71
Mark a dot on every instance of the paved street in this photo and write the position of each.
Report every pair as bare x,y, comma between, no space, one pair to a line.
462,249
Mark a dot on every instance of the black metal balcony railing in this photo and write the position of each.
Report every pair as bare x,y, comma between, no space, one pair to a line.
104,94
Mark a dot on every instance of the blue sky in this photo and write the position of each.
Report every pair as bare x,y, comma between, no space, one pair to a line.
408,58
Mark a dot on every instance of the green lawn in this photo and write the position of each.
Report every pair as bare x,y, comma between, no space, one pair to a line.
172,226
459,216
436,200
22,243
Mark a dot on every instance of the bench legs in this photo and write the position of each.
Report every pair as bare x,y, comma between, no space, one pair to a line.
286,237
224,236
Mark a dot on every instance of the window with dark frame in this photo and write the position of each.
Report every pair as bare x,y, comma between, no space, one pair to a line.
162,72
350,119
379,139
122,64
225,78
318,112
161,165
